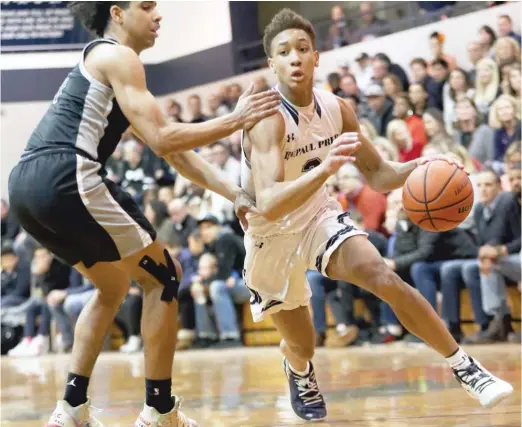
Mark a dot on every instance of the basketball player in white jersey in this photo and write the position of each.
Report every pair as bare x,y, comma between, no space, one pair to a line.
286,160
61,196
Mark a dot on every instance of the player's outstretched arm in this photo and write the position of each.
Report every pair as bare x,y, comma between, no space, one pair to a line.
274,197
381,175
126,75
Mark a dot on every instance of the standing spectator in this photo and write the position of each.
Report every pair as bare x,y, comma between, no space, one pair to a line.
9,225
475,54
394,69
505,118
505,28
399,135
440,72
437,51
382,108
458,85
371,27
487,85
392,86
506,50
487,38
513,85
357,195
364,73
418,98
419,69
174,110
196,113
15,284
434,125
471,133
339,32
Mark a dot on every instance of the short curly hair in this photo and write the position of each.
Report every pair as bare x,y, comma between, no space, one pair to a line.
95,15
286,19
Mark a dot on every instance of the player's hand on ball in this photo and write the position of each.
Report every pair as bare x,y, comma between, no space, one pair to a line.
244,204
446,158
253,107
341,152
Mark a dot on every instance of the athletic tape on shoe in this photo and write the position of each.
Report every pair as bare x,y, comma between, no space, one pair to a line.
166,274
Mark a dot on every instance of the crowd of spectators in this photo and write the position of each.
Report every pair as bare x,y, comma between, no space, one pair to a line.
472,114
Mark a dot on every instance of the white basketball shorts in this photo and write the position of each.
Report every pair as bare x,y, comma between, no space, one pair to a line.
275,266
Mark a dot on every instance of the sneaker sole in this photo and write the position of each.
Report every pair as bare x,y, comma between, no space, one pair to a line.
498,399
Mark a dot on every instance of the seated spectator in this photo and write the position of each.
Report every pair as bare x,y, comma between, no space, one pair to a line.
195,109
355,194
174,110
233,93
513,153
386,149
180,222
16,275
507,50
399,135
418,99
487,85
498,225
458,86
166,195
440,73
381,109
392,86
66,305
475,54
9,226
47,274
370,26
134,176
388,68
364,72
226,286
350,88
505,28
437,51
339,31
513,83
403,110
354,102
474,136
438,138
333,81
222,159
505,119
156,212
487,38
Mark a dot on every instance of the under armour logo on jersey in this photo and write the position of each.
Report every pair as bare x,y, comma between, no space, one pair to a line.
71,383
290,137
156,392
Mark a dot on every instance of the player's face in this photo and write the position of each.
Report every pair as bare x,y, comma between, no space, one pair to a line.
141,20
293,58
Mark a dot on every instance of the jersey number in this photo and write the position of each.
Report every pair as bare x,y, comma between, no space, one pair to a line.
310,164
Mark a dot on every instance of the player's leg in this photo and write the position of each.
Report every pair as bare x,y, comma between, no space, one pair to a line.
357,261
298,346
159,276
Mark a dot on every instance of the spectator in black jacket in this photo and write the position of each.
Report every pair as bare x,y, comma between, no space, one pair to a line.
497,218
16,276
226,287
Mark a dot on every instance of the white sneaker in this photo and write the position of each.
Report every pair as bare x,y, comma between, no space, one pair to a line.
39,346
149,417
482,385
21,349
66,416
133,345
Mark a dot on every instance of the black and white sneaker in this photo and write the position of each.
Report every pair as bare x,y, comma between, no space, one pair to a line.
307,401
482,385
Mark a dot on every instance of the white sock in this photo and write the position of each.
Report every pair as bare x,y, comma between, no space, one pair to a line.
459,360
341,329
395,330
303,373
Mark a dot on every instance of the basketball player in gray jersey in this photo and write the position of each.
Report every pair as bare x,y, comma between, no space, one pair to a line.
59,193
287,159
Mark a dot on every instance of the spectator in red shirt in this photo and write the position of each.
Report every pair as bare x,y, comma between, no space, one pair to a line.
356,194
399,135
403,110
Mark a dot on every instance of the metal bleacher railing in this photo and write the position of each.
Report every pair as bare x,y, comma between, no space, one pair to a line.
396,15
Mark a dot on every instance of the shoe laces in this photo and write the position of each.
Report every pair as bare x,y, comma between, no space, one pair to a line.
91,419
183,420
474,377
308,389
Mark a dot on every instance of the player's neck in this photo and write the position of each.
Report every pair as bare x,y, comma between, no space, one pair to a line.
301,99
123,39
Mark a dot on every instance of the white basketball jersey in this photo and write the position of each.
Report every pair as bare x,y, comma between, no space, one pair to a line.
309,133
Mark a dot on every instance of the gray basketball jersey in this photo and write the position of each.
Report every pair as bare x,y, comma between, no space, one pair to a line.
84,115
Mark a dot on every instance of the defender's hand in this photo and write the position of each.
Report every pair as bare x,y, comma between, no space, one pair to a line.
341,152
244,204
251,108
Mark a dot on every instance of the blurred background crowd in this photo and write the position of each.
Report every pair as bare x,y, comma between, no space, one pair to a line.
472,114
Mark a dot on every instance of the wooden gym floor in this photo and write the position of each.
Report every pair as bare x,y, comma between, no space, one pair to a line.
379,386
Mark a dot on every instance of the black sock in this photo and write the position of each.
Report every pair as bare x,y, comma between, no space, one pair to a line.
158,395
76,389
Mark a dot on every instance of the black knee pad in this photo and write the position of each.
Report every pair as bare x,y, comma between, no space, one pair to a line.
166,274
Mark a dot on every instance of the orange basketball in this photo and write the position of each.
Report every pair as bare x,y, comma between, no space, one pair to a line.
437,196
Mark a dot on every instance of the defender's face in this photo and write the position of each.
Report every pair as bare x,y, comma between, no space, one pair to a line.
293,58
142,21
